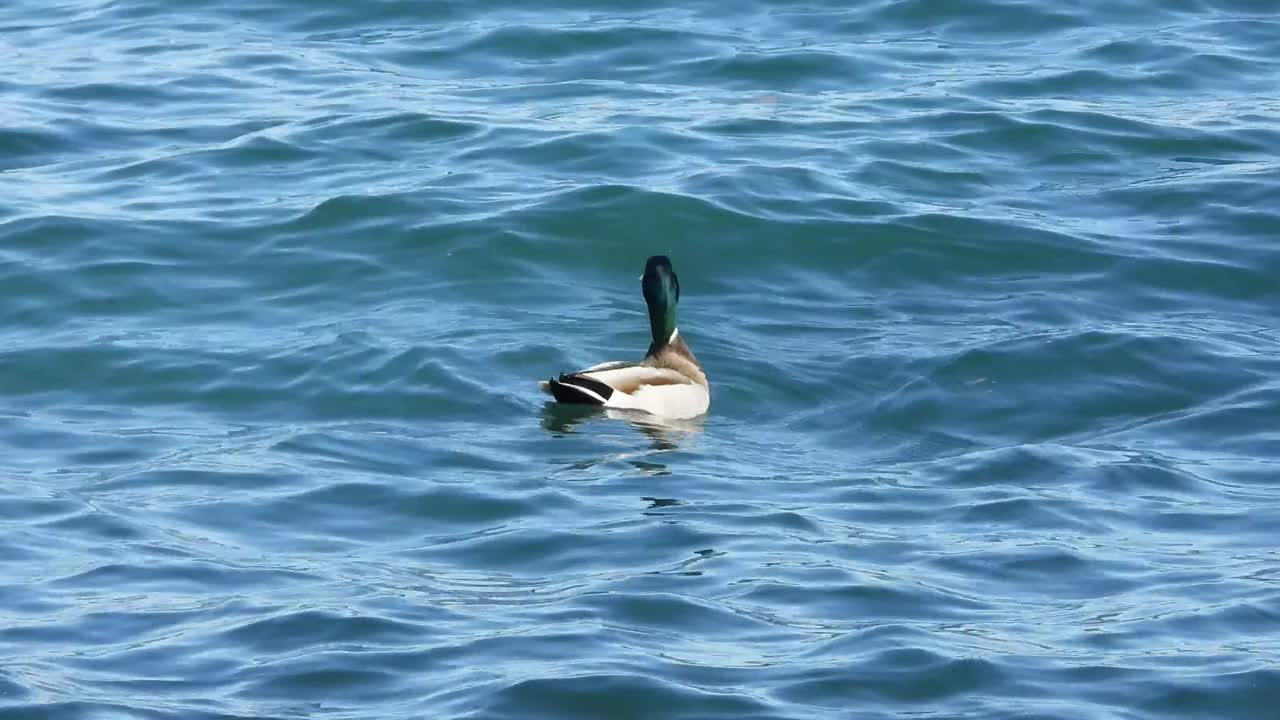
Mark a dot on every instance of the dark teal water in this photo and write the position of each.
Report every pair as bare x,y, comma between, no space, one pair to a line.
987,293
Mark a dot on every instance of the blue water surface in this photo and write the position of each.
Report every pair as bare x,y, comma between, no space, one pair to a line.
987,293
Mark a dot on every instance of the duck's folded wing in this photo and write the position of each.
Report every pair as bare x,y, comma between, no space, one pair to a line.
611,365
628,378
614,365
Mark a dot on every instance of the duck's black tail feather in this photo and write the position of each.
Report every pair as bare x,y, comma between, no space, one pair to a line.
580,390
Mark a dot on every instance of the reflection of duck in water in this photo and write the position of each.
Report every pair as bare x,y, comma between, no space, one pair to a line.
663,433
668,382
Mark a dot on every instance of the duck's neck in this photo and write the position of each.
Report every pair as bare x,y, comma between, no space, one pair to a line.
670,340
662,322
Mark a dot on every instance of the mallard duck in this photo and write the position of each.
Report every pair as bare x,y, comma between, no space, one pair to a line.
668,382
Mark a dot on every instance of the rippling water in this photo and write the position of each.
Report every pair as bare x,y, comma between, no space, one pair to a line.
987,293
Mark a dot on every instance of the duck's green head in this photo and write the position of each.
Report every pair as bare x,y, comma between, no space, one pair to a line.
661,293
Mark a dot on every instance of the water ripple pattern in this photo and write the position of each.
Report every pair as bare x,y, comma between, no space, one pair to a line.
987,292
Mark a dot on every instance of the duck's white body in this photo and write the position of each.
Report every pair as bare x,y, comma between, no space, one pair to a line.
668,382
